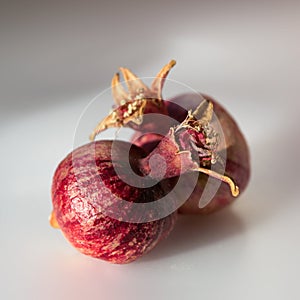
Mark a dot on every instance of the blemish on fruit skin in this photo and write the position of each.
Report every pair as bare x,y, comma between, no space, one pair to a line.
132,242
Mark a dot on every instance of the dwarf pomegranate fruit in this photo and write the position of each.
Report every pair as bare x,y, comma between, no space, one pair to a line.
202,141
95,194
236,163
116,200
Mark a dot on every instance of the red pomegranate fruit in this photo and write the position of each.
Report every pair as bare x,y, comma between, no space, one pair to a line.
95,207
116,200
231,151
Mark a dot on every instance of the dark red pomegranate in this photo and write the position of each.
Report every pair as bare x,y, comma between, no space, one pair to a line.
87,190
116,200
231,150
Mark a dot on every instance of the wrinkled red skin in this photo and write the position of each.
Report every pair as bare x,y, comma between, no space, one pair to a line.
79,199
237,162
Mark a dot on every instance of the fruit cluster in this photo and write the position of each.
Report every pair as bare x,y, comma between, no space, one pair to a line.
115,200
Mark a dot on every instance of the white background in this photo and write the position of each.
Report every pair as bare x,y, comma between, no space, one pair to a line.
55,57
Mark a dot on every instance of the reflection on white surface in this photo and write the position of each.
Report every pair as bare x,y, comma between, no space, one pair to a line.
57,57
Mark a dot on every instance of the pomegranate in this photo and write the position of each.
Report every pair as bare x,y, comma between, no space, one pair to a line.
151,126
87,206
236,163
117,200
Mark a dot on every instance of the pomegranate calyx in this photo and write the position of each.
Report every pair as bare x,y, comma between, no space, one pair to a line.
159,80
140,99
136,88
131,111
196,134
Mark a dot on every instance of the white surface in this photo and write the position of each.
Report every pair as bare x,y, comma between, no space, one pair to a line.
56,57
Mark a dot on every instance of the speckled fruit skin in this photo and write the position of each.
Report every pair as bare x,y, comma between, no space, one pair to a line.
237,162
79,199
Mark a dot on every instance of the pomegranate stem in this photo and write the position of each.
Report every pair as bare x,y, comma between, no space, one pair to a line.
53,221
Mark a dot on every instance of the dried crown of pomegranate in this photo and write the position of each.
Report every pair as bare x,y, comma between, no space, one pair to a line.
200,135
132,104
